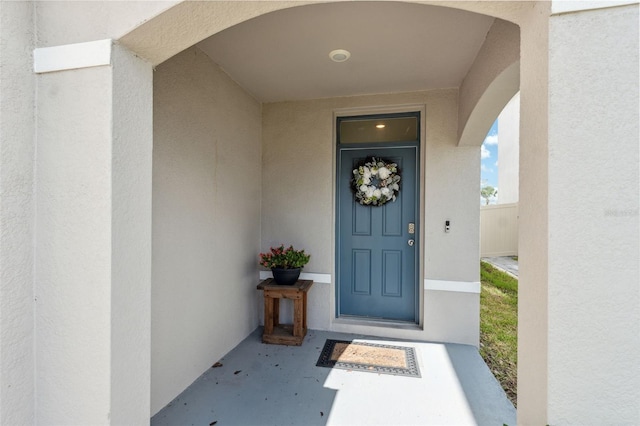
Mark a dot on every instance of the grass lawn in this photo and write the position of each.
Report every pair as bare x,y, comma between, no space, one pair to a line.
499,326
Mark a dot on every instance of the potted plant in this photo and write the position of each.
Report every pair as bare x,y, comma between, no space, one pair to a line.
285,263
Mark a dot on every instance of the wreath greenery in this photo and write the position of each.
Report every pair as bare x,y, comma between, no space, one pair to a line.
376,182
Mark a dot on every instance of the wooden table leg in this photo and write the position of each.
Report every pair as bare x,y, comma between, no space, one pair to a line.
304,310
268,315
297,317
276,312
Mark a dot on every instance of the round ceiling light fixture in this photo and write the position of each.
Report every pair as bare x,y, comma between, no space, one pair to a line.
339,55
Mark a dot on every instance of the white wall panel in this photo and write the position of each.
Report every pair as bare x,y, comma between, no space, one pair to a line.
499,230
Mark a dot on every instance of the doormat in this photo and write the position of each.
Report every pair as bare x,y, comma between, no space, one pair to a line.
370,357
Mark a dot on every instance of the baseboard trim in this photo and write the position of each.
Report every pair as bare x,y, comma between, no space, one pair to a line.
454,286
438,285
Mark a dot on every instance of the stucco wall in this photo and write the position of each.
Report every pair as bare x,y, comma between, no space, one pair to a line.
509,151
594,185
206,220
65,22
492,80
17,148
298,191
533,212
131,175
73,245
92,250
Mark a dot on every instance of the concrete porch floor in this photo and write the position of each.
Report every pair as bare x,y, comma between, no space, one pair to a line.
260,384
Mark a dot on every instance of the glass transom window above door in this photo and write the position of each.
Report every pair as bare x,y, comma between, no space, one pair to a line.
372,129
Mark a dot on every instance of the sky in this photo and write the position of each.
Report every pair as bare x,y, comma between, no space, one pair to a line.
489,158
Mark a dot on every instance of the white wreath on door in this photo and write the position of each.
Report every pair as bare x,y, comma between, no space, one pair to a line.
376,183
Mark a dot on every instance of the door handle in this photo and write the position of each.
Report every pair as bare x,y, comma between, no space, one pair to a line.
411,243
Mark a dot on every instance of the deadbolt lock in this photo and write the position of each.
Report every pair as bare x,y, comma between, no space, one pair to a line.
412,228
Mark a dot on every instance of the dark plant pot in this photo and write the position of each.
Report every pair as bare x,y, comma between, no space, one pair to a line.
286,276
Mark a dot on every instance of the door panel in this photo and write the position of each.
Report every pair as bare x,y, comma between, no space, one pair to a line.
361,280
392,273
377,268
392,219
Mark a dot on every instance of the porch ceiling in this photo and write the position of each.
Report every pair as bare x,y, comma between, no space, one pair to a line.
395,47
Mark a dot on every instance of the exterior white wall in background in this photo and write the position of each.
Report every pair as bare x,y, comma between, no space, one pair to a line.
594,238
206,220
298,203
509,152
499,230
17,149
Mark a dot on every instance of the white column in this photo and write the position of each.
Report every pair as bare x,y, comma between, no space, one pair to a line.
594,239
93,237
132,146
533,236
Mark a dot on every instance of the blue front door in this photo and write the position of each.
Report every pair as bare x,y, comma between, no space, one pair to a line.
377,246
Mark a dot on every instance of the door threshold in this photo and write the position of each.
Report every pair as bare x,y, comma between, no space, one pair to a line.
377,322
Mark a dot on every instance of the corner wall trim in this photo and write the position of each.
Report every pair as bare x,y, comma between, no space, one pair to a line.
455,286
317,278
72,56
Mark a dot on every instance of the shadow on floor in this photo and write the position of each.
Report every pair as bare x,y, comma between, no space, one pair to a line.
261,384
473,373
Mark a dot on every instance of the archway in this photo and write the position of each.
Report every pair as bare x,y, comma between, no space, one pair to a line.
484,93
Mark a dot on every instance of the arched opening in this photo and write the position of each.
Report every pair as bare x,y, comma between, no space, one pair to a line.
204,121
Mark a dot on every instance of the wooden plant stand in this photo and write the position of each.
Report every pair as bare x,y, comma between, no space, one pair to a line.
285,334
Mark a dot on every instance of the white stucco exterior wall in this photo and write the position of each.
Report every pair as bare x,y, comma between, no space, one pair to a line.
594,239
17,97
73,270
93,263
206,220
68,22
533,212
509,151
131,149
299,152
